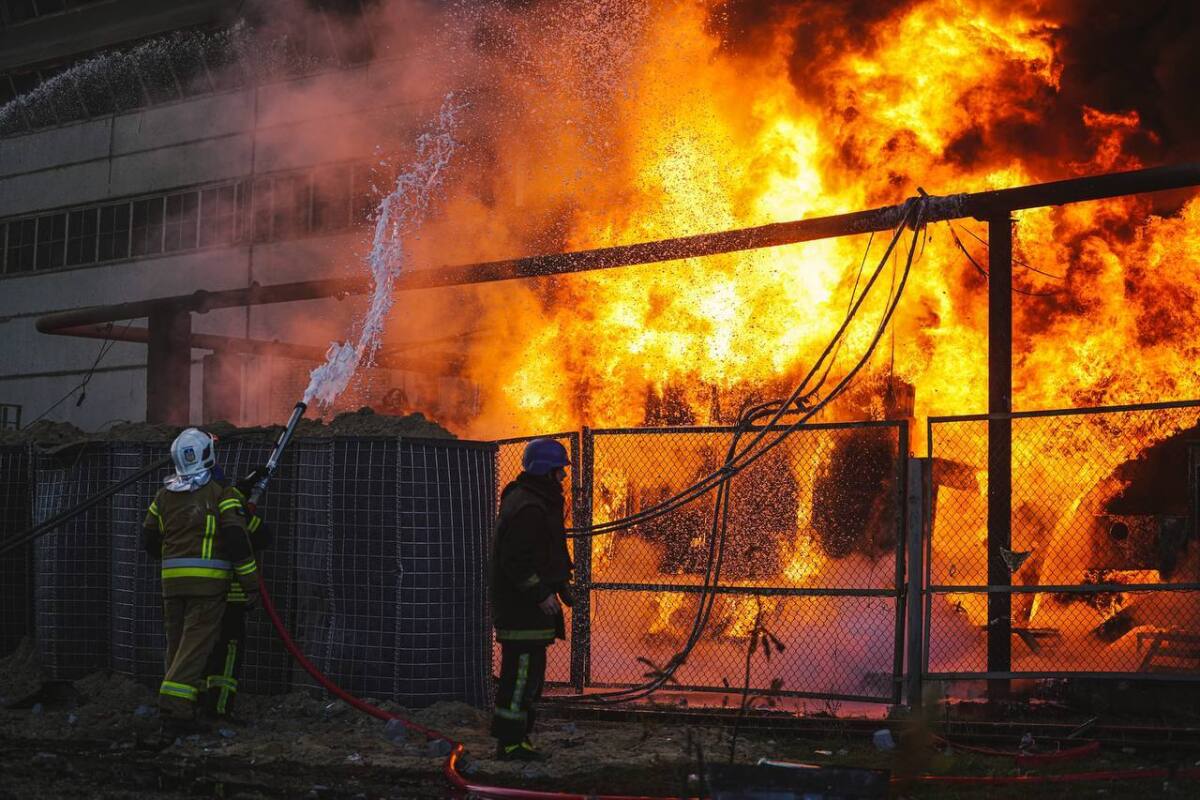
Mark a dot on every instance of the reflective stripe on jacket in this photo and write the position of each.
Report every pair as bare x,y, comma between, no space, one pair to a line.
197,559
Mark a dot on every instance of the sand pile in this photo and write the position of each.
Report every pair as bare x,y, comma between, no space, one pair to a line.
362,423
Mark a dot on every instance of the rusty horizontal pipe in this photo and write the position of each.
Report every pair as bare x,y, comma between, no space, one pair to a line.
982,205
439,364
203,301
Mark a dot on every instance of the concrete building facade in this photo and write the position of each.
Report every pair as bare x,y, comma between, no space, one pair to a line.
183,175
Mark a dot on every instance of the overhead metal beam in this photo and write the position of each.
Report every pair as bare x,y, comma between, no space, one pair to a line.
981,205
437,363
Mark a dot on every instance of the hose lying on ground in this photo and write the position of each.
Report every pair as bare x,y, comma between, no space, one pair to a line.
457,749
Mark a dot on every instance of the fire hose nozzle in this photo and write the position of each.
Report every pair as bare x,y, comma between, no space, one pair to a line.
273,462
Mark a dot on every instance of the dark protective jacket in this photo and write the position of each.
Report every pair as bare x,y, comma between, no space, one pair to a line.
530,560
201,538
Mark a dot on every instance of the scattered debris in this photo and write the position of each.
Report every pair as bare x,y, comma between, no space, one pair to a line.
438,748
395,731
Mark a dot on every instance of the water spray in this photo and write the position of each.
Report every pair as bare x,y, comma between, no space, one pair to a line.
400,213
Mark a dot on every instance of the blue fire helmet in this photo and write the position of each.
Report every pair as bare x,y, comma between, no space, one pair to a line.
542,456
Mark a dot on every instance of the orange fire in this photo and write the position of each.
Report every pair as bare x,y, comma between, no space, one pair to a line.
679,136
620,124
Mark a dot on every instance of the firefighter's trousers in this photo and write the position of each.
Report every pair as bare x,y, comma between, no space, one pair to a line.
522,675
192,625
225,662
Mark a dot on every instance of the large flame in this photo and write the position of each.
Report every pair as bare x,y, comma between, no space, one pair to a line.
687,137
622,123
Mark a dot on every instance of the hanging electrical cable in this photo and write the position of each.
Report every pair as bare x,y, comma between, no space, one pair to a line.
776,410
912,218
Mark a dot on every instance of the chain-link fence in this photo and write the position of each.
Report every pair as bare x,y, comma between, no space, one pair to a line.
1097,571
812,552
382,557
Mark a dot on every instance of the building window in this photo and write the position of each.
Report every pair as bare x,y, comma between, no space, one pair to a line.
147,226
218,216
81,236
10,417
114,232
51,240
331,199
364,192
19,251
260,204
275,207
290,207
182,215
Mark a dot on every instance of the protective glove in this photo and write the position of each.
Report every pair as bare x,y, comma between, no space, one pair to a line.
246,484
566,593
550,606
253,602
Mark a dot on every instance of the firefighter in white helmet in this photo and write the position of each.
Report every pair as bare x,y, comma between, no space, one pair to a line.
197,526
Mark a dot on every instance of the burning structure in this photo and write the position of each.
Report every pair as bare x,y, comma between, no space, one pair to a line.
600,125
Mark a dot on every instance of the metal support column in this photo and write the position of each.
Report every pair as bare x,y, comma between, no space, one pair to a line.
999,496
904,532
581,612
169,367
919,472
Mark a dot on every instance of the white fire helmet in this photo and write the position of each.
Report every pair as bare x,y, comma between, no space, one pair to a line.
194,454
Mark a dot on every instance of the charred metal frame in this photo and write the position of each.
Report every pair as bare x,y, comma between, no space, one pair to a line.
167,401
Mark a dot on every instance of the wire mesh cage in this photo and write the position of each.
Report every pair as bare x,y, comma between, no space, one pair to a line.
1102,568
392,565
16,574
138,641
72,563
812,553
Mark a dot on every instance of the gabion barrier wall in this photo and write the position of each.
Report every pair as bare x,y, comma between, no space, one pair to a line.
72,563
1103,571
16,568
380,563
392,543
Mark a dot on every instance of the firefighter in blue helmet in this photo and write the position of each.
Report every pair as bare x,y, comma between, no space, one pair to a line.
531,579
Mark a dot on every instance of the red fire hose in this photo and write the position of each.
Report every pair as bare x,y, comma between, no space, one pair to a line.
456,748
481,790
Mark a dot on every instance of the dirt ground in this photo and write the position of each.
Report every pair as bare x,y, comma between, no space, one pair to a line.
97,738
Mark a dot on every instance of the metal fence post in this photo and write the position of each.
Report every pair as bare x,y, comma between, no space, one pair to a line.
999,494
919,470
581,612
903,532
